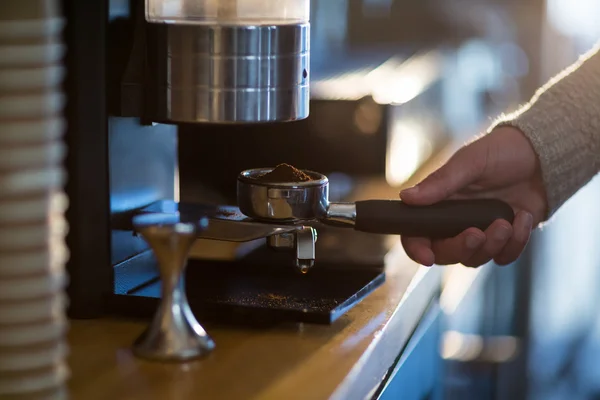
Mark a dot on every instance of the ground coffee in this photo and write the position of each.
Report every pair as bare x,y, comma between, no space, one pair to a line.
284,173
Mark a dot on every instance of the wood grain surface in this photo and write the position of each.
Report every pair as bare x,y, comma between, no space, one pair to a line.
285,361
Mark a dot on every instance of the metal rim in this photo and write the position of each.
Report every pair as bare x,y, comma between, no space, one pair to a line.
167,224
249,177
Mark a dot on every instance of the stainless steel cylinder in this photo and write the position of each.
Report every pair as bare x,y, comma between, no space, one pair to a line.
232,74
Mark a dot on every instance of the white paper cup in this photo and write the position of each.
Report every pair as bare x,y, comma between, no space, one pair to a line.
32,357
34,333
32,78
31,130
31,105
15,383
49,258
34,310
24,237
18,157
60,393
31,55
30,28
29,9
31,287
32,208
31,181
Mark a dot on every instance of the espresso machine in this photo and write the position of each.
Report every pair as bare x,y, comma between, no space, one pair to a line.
139,73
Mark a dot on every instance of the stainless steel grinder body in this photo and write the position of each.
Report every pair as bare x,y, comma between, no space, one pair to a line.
232,74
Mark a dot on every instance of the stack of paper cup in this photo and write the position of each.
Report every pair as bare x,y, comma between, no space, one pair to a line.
32,202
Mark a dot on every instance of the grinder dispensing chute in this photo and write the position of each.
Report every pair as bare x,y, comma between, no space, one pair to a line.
231,61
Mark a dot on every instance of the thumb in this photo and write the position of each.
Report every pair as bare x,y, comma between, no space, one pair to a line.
461,170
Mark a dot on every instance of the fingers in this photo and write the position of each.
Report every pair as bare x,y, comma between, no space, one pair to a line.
419,250
459,248
461,170
522,227
501,242
497,237
444,252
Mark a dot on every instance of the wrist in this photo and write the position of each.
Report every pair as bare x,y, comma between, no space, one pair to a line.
528,164
513,138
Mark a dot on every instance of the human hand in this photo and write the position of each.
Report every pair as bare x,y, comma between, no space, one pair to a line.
501,165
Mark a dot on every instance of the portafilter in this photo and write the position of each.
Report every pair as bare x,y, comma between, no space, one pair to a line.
299,202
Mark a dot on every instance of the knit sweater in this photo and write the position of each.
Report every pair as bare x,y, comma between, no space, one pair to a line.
562,122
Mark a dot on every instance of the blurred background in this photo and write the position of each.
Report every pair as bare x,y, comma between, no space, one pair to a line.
444,69
396,87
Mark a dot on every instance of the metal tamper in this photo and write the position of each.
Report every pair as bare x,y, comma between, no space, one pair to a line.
174,333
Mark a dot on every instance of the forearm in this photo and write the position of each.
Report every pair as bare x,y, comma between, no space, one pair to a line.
562,121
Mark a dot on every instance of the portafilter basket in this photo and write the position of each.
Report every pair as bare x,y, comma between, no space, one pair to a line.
299,202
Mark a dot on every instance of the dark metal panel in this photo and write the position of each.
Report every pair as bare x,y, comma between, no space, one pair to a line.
327,141
87,160
142,156
115,164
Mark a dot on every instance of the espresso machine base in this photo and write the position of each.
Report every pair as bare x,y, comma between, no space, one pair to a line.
252,291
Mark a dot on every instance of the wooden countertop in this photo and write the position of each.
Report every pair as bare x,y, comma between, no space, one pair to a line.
345,360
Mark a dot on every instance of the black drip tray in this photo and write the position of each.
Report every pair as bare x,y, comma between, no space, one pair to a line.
264,284
229,291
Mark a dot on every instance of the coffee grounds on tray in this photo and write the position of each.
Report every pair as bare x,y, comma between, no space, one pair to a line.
284,173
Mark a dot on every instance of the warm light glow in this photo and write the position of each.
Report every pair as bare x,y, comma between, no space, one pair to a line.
575,18
396,81
408,148
463,347
456,346
457,285
176,185
370,329
238,12
399,91
349,86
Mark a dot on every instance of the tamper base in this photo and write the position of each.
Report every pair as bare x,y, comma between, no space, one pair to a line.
174,334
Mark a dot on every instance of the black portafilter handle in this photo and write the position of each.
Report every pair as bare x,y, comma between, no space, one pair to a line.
442,220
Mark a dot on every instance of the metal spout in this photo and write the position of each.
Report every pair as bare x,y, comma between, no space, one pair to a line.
302,241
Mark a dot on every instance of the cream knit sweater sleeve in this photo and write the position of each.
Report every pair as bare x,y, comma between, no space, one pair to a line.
562,121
